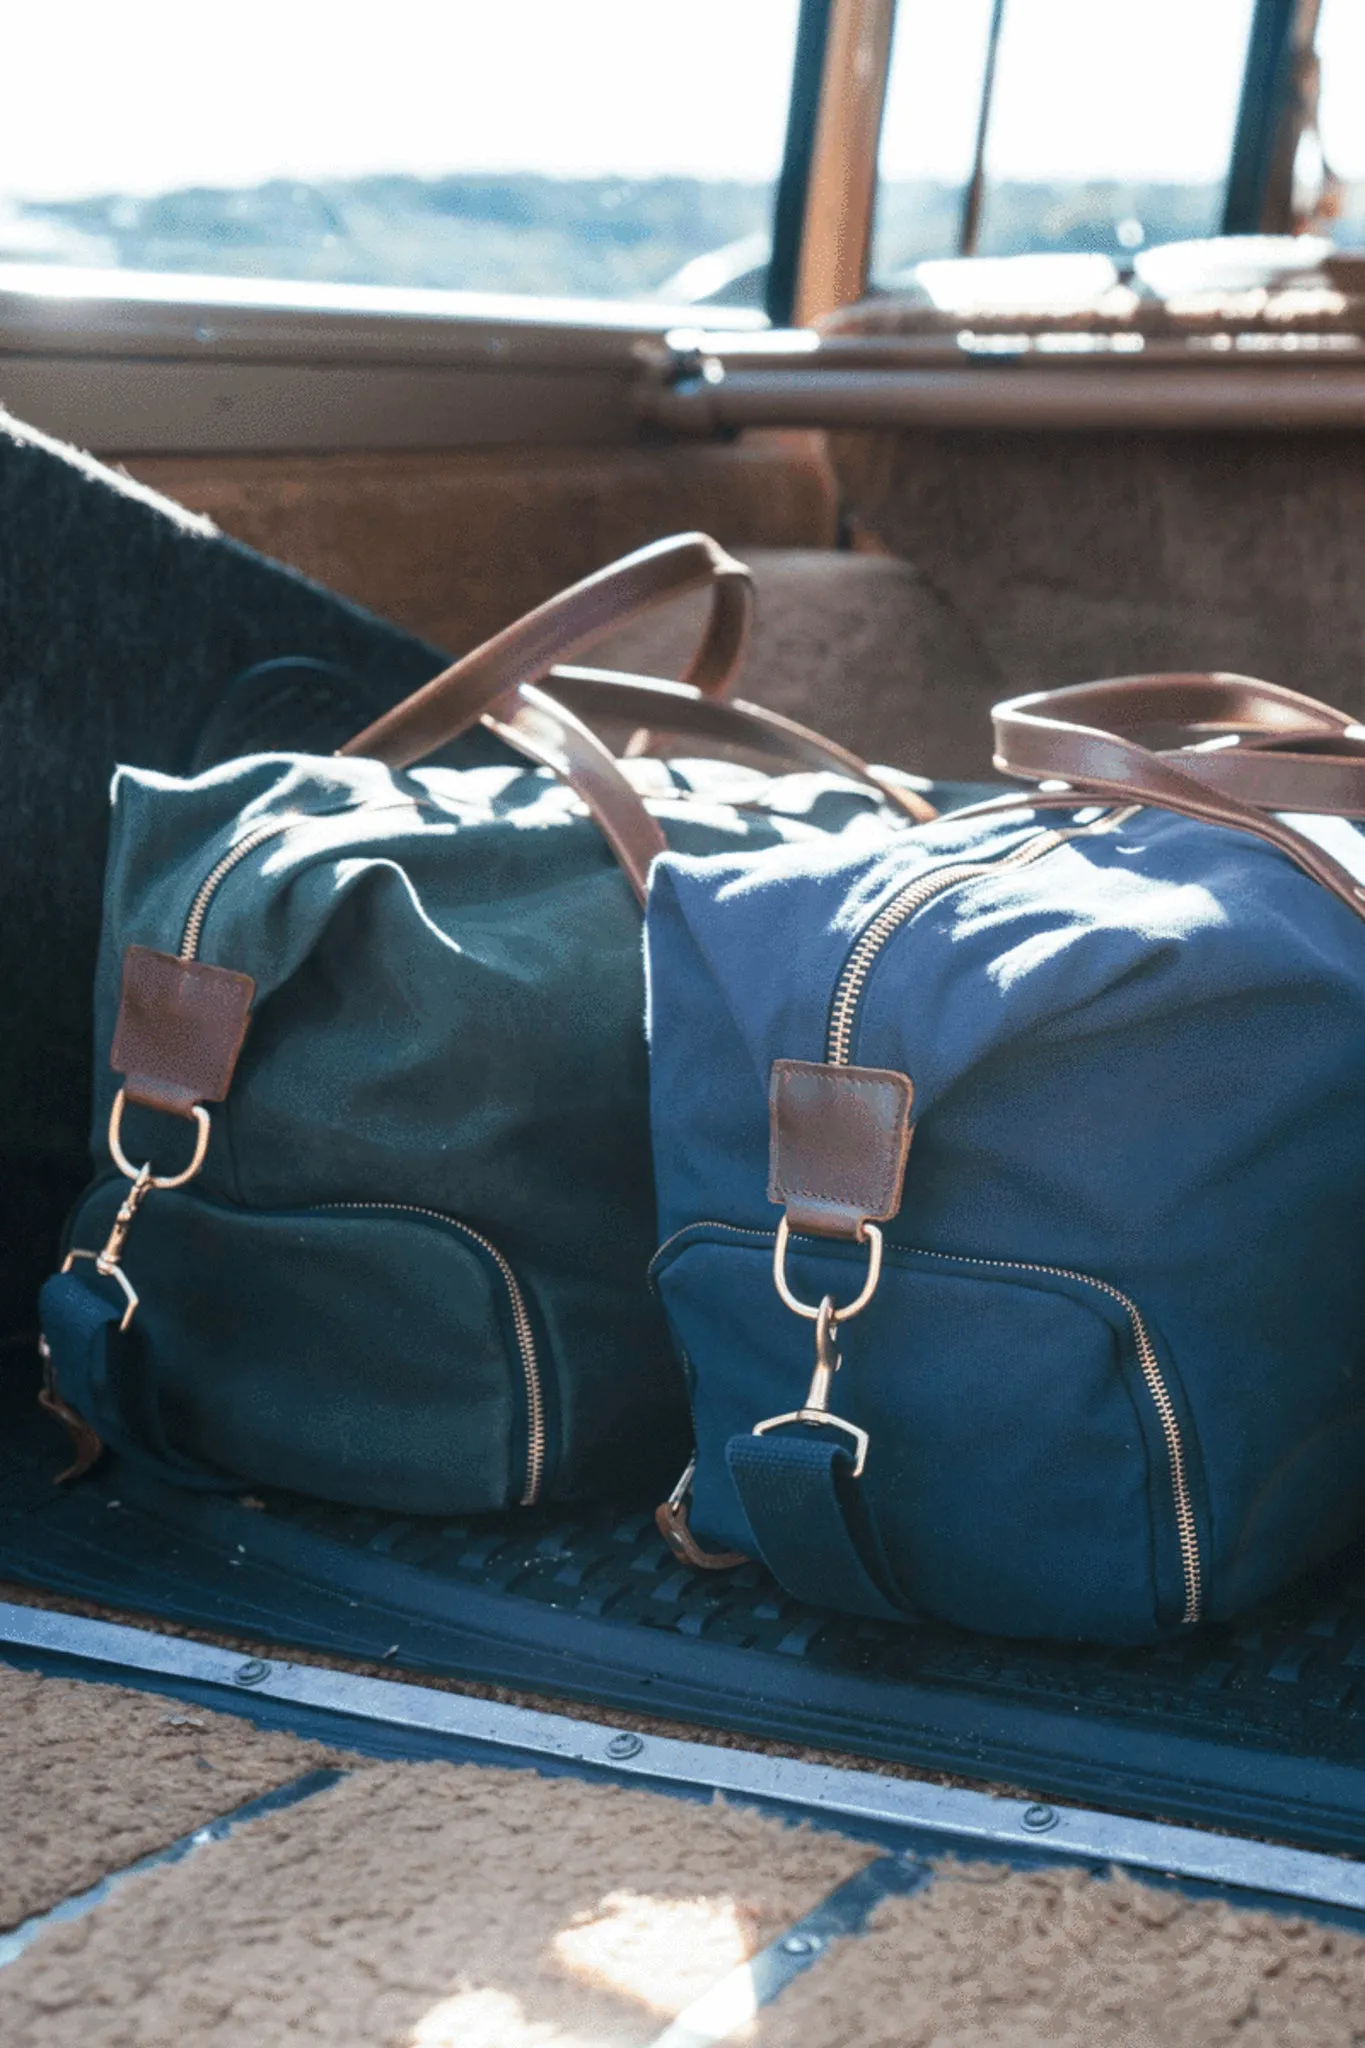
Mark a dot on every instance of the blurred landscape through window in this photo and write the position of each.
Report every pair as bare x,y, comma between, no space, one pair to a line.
1111,126
598,149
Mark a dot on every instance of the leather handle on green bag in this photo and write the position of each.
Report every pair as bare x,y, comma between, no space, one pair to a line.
497,684
493,683
568,625
679,709
1242,750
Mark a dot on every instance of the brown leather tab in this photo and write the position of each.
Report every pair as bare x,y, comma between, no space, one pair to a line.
180,1028
671,1523
86,1446
839,1139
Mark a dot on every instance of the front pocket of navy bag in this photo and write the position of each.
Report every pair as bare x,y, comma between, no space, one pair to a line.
361,1353
1017,1472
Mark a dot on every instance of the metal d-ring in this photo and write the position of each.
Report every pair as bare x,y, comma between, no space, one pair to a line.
157,1180
871,1236
108,1262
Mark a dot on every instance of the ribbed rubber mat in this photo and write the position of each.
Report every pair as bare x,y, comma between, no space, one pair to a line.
1257,1726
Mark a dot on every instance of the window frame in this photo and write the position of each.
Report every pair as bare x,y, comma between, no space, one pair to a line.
129,363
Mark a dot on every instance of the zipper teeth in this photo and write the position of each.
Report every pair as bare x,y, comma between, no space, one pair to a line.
521,1323
199,909
1186,1528
892,915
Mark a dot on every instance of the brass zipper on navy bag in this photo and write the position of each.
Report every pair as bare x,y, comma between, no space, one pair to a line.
843,1019
521,1324
903,905
1187,1531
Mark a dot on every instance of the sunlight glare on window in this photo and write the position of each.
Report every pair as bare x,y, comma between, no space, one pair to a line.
1341,52
607,149
1111,125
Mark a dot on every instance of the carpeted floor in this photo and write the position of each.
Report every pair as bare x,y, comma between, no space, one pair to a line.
427,1904
435,1906
92,1777
989,1958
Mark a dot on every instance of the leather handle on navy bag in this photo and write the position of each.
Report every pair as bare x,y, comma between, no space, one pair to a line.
1242,749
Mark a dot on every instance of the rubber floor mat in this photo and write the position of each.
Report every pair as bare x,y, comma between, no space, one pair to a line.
1258,1726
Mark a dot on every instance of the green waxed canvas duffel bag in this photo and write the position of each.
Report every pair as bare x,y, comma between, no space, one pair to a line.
373,1209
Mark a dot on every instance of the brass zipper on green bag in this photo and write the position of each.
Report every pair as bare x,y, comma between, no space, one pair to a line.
257,836
219,872
521,1321
521,1324
1192,1570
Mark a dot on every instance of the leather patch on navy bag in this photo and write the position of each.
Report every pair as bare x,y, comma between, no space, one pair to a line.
839,1137
181,1025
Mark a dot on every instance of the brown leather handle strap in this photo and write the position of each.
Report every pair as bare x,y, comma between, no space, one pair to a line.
1041,737
547,732
681,709
1253,742
567,625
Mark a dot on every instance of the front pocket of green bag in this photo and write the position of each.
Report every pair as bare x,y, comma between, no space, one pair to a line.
374,1355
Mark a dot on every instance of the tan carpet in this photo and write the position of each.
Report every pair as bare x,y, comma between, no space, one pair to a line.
423,1906
455,543
1057,1959
430,1906
92,1777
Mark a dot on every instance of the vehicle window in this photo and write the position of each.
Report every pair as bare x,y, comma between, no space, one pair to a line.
1110,126
1341,54
584,148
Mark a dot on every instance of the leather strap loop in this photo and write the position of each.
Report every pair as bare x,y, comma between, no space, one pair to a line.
567,625
1252,741
1084,736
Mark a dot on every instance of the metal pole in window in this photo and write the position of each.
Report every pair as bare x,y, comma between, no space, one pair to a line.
975,195
1257,199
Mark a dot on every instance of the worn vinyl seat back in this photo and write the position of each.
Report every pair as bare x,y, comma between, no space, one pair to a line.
1103,1370
404,1008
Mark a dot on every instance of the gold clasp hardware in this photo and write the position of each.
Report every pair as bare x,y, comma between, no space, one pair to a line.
868,1235
815,1408
108,1261
168,1180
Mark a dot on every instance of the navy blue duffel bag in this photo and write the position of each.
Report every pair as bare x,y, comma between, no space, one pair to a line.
1102,1325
